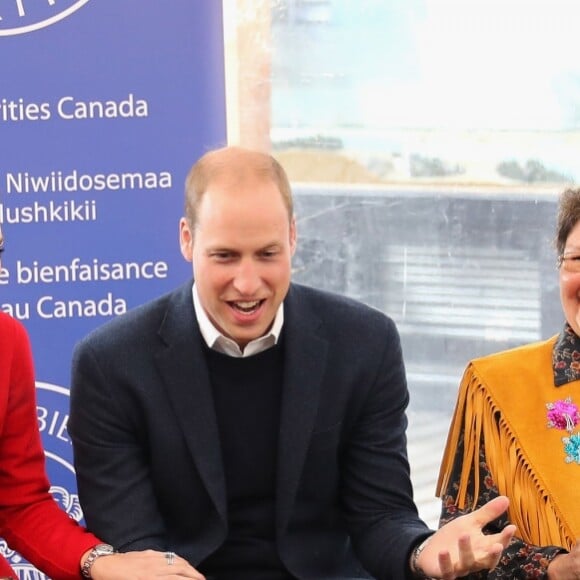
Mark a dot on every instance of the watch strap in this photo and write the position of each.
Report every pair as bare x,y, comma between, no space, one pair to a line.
96,552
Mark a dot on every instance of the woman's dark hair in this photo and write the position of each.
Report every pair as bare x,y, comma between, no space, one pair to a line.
568,216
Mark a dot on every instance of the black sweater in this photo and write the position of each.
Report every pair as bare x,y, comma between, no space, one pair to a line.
247,395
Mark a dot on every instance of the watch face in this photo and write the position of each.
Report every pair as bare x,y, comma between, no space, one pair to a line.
103,549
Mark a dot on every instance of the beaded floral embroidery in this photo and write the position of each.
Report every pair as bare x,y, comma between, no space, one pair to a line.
564,415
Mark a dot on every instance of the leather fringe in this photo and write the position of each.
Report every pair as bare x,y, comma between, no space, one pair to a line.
530,507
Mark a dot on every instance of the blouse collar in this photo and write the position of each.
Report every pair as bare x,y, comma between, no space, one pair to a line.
566,357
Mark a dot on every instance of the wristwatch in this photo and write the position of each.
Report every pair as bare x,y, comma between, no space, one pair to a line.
98,551
416,570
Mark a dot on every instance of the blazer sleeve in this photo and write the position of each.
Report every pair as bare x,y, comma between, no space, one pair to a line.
111,468
30,520
378,496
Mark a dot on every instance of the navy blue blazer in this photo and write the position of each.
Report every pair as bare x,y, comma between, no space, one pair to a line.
147,452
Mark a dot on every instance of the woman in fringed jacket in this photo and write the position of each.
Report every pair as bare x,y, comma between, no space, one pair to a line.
516,432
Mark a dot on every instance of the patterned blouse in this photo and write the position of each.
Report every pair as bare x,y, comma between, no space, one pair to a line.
519,560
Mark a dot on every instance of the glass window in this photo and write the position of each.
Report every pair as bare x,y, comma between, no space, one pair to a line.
427,141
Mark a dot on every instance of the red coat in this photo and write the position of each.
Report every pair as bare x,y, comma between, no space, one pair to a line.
30,520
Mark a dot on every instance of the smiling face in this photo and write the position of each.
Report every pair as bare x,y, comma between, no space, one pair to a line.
570,279
241,248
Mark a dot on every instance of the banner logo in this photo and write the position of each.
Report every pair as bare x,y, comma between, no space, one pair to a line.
21,16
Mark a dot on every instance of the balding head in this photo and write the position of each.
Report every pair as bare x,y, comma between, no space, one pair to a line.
232,166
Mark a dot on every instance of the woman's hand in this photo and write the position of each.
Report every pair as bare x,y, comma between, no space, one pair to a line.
565,566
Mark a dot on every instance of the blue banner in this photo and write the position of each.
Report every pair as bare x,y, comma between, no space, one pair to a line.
104,106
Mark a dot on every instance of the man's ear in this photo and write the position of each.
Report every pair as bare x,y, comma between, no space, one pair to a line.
185,239
293,236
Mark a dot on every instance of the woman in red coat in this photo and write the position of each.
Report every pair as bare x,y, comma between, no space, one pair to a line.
30,520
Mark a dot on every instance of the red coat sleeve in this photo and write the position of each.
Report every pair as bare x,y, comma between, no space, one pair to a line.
30,520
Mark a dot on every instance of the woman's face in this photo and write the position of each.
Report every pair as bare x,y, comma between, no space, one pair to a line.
570,279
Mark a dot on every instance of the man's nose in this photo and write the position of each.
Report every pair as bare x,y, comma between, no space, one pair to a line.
247,280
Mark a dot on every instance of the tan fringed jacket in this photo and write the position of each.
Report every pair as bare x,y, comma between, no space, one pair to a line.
503,399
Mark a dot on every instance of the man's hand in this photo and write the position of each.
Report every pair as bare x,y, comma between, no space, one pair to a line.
460,548
146,565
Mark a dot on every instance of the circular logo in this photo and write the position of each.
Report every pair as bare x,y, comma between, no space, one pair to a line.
52,409
21,16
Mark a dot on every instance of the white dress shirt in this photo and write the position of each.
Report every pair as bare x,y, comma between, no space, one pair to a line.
217,341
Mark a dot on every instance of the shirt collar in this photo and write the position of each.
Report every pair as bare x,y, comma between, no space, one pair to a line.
217,341
566,357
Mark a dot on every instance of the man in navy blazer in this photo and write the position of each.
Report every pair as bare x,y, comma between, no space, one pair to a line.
254,426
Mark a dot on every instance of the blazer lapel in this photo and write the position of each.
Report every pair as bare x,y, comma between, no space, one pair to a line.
305,361
182,365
